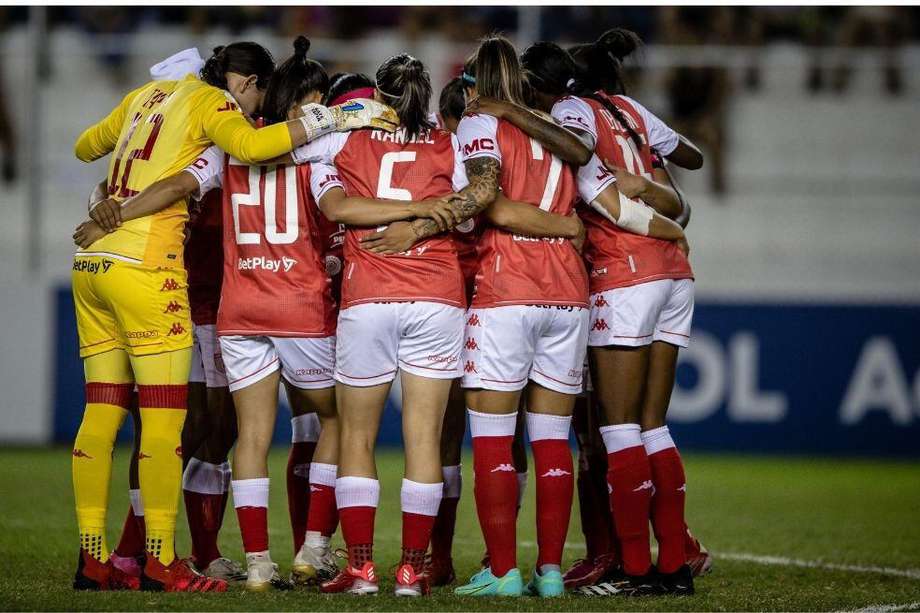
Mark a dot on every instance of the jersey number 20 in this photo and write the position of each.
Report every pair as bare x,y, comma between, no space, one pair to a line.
268,201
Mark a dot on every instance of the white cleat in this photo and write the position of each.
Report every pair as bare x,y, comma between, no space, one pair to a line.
262,574
314,563
226,569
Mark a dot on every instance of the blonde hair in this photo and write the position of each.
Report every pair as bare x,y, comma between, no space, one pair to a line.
498,70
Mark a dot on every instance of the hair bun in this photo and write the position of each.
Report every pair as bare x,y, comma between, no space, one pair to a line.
619,42
218,49
301,46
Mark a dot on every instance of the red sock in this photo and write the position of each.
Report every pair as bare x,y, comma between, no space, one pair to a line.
205,513
416,535
442,534
323,517
298,489
555,483
250,496
358,532
495,489
131,544
668,508
630,478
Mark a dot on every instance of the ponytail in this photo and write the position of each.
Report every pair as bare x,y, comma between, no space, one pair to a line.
549,69
404,84
498,70
297,77
243,58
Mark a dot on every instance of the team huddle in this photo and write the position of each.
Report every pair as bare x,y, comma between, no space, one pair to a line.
516,259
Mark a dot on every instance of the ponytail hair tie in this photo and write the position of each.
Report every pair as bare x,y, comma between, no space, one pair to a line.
569,83
468,78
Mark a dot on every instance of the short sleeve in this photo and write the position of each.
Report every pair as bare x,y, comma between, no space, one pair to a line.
458,180
208,170
661,137
323,177
593,178
323,149
575,113
478,137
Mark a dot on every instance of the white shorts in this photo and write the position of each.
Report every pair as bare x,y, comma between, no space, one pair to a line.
376,339
196,374
305,362
506,346
640,314
205,341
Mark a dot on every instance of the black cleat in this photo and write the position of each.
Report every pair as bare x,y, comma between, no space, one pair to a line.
678,583
617,583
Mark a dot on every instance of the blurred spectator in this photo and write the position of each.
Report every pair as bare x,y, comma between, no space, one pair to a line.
879,26
8,162
107,26
699,95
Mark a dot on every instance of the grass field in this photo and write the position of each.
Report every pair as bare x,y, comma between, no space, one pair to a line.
787,534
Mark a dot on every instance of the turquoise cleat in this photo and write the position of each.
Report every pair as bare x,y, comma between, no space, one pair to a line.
547,585
484,583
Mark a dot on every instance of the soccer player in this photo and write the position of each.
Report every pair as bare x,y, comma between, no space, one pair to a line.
124,282
641,292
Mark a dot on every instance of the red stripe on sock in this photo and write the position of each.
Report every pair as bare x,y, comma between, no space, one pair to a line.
118,394
162,396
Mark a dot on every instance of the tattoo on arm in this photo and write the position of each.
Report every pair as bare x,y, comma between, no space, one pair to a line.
483,174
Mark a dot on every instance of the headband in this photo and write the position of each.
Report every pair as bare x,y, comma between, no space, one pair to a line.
361,92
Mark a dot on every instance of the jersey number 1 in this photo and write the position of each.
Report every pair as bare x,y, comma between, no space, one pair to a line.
552,179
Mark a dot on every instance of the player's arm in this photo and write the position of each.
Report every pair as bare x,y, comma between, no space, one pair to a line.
634,216
358,211
481,191
153,199
100,139
660,197
561,142
662,175
686,154
528,220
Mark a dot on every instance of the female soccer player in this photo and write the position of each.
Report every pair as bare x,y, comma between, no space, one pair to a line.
132,336
642,294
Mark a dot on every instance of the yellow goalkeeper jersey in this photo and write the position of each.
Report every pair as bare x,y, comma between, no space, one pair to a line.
156,131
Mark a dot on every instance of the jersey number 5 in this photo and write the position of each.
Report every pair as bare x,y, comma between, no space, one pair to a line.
385,187
268,200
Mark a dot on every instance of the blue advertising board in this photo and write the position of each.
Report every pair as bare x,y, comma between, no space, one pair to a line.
828,379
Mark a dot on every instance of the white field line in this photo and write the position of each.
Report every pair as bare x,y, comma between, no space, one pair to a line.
885,608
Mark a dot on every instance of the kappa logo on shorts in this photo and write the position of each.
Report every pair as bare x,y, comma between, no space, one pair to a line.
471,344
176,330
600,324
600,301
169,285
141,334
470,366
79,453
473,320
173,307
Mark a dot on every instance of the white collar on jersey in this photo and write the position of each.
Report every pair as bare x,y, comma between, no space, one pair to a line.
178,66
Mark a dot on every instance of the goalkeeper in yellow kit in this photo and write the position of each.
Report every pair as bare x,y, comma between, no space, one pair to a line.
130,294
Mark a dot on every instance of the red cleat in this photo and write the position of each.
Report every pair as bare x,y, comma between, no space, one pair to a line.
179,576
409,583
91,573
353,581
440,571
698,557
588,572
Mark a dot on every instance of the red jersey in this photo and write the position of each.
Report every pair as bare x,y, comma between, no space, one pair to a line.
275,280
521,269
331,236
204,259
618,257
377,164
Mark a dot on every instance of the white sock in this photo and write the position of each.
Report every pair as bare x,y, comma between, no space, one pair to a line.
657,440
137,504
421,498
621,436
250,492
204,477
305,428
357,492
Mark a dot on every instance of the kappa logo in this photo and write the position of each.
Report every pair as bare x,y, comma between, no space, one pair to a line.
176,330
600,301
469,367
169,285
173,307
600,324
79,453
503,468
645,485
473,320
556,472
682,488
471,344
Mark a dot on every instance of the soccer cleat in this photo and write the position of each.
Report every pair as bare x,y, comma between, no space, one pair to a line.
698,557
353,581
440,571
547,585
226,569
678,583
587,572
408,583
314,565
262,574
91,573
179,576
617,583
484,583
